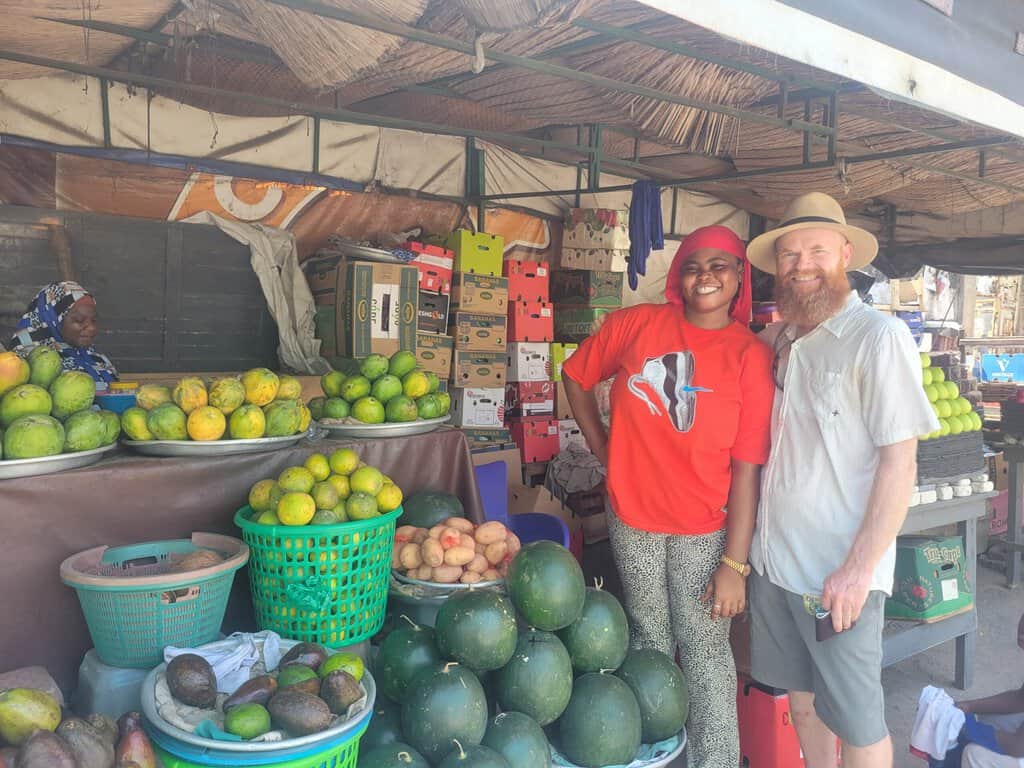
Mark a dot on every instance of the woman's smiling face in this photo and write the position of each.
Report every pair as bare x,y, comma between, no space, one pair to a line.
80,324
710,279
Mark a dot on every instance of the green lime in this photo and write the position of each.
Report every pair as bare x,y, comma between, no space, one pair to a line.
402,363
361,506
296,479
324,517
355,387
336,408
340,512
318,466
325,495
433,382
386,388
247,721
269,517
429,407
331,383
374,366
344,461
340,485
368,410
366,480
316,407
401,409
446,402
415,384
346,662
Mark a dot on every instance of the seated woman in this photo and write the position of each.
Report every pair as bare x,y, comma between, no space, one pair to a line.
62,316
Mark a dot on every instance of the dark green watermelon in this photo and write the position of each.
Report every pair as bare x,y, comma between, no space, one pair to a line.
602,724
660,690
385,724
474,756
428,508
442,704
477,628
546,585
406,652
519,739
397,755
537,681
599,639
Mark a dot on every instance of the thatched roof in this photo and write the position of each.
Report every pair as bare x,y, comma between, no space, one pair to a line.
261,47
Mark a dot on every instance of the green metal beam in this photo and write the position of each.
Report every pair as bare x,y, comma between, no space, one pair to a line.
543,67
620,33
930,149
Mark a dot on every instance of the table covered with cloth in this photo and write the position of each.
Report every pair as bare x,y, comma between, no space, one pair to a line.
127,499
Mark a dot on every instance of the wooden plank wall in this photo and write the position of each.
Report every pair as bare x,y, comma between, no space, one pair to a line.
171,296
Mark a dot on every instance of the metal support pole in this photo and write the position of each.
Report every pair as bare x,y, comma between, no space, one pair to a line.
783,99
316,144
807,136
675,201
579,168
833,123
105,106
594,166
982,160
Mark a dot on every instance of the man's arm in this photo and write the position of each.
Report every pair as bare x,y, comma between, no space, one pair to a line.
588,417
846,588
1006,703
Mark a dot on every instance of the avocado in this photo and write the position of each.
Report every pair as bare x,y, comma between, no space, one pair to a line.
299,713
298,677
340,690
307,654
191,680
45,750
247,721
90,747
256,690
106,727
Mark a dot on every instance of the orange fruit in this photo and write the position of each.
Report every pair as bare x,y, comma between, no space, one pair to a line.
206,423
296,509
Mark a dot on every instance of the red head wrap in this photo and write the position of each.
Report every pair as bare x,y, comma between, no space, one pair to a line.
723,239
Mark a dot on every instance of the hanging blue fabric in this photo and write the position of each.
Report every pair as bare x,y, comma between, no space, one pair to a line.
645,231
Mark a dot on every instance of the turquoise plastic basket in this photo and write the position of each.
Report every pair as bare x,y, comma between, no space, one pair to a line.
135,605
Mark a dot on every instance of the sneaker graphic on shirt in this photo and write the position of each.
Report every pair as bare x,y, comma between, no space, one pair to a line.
668,380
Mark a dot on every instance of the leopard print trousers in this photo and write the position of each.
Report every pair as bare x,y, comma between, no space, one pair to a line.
663,579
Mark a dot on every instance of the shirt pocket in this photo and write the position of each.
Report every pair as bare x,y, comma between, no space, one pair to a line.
824,388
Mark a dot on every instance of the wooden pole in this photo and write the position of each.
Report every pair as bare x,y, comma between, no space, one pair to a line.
60,242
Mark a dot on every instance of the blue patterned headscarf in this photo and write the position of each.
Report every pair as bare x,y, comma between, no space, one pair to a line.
42,322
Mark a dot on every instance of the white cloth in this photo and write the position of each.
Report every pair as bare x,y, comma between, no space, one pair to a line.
234,657
275,260
851,386
937,724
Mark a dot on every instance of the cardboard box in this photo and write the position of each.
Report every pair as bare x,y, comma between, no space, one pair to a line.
528,280
480,333
599,259
484,453
587,288
530,398
378,305
478,369
432,314
531,321
434,353
536,436
597,228
529,361
523,500
436,266
999,472
562,408
322,276
480,293
574,323
483,438
570,436
478,407
559,353
326,329
476,251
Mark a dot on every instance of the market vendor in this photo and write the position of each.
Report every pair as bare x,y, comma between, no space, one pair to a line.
63,317
690,412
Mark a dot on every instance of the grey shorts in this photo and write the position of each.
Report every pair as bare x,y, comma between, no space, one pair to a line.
844,673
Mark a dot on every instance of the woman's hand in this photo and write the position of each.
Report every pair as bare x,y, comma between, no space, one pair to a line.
727,592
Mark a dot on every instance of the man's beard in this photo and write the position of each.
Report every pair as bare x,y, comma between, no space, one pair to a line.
812,309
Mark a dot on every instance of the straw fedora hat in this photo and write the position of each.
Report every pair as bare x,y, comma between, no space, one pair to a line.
815,210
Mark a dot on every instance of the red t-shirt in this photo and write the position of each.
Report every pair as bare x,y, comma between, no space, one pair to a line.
685,402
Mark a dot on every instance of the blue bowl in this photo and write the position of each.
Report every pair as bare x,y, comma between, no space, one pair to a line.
118,403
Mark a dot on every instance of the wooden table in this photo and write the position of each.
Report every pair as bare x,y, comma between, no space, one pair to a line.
918,637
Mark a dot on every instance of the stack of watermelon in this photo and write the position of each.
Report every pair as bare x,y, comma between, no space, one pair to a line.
478,691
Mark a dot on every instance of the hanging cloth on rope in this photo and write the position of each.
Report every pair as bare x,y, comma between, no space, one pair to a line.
645,232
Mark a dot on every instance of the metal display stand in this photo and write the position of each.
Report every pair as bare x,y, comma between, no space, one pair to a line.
963,627
1014,456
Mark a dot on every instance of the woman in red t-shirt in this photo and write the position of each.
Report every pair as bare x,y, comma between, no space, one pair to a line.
690,428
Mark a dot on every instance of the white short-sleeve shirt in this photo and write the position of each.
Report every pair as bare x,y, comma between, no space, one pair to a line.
850,386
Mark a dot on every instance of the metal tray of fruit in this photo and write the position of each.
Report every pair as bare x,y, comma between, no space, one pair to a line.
352,428
401,578
12,468
367,252
180,448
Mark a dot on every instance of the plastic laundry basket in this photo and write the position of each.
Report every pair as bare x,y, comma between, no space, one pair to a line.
324,584
135,605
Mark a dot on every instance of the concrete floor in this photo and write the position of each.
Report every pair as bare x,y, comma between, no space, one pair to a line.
999,663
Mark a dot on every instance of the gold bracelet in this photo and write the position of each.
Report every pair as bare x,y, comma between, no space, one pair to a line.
743,569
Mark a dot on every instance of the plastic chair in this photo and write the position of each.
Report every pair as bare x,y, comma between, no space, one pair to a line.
492,482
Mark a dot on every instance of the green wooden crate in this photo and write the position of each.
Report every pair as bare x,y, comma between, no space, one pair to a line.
931,579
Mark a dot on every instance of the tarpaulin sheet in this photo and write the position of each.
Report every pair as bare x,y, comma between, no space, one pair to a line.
126,500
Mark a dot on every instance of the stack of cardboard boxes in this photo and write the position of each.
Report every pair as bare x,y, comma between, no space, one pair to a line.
529,394
479,327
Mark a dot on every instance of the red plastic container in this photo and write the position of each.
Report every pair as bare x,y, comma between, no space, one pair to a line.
531,321
436,266
527,280
767,736
536,436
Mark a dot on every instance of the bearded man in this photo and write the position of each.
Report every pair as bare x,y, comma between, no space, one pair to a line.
848,409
